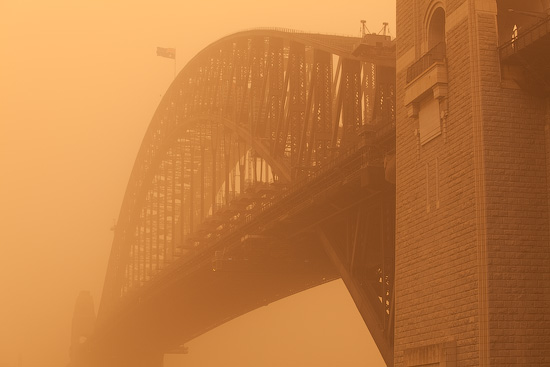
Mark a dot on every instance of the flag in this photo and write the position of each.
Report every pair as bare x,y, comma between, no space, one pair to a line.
166,52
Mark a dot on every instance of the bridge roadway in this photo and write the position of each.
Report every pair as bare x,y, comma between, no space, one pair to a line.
261,175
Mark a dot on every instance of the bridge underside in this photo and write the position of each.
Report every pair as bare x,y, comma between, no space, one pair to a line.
168,317
337,232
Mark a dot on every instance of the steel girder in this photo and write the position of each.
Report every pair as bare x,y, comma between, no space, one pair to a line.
256,107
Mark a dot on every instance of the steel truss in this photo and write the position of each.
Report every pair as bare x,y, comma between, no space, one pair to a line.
256,109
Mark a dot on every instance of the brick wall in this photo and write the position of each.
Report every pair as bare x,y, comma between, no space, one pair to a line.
476,262
517,214
436,278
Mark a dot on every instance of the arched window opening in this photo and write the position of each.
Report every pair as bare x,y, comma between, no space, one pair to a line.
436,28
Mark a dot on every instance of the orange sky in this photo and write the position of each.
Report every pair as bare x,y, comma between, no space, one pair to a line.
79,82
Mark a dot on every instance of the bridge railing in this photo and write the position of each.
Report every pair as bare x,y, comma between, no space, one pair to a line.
525,38
436,54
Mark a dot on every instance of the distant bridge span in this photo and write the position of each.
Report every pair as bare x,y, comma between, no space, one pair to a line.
260,175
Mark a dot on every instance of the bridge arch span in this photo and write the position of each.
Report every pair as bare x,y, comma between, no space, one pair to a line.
253,113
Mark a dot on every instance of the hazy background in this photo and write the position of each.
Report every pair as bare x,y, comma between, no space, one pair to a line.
79,82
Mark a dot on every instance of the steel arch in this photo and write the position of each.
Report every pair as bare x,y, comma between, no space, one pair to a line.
278,96
266,108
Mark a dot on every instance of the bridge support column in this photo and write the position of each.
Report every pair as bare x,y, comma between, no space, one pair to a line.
472,261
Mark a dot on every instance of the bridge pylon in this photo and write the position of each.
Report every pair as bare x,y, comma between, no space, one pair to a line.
472,231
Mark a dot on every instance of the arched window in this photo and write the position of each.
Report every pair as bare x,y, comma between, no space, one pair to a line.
436,28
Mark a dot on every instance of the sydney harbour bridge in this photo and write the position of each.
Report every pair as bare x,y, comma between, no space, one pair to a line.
268,168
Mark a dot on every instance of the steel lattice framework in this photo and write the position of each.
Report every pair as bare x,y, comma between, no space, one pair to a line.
258,109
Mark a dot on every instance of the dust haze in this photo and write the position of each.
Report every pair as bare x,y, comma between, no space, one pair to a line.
79,82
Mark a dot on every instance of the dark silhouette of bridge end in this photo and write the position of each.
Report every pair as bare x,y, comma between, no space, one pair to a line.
82,328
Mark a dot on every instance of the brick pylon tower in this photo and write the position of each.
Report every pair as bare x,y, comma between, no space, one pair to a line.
473,183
